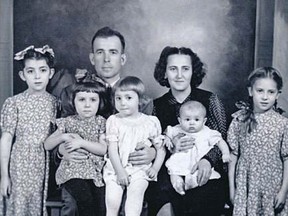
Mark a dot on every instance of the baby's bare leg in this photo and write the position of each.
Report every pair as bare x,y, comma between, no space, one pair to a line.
178,183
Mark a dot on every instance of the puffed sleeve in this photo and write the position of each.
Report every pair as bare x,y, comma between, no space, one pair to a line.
157,138
112,130
284,146
61,124
214,137
233,136
9,116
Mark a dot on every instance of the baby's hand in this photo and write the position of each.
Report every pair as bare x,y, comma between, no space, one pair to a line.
226,158
168,143
152,173
123,178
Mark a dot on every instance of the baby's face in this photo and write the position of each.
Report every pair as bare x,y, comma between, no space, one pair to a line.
192,121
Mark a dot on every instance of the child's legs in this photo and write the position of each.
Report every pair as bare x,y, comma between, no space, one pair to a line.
135,196
191,181
69,205
82,192
113,197
99,197
178,183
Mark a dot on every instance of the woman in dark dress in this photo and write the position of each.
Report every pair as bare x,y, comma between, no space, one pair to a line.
181,70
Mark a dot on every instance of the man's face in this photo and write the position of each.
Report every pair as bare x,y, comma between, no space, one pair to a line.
108,58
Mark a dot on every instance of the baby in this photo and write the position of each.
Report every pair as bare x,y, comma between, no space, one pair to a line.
192,118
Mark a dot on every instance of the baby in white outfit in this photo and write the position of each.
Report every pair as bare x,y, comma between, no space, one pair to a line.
192,124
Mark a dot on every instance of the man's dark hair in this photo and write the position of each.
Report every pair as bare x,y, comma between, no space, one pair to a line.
108,32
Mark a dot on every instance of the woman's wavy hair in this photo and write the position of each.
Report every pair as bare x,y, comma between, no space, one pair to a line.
198,67
94,87
131,83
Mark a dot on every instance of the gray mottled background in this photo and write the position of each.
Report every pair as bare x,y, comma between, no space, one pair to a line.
222,32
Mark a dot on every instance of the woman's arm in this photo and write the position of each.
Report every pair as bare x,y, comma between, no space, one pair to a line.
5,152
231,176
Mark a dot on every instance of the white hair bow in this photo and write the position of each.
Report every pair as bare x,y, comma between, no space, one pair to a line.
20,55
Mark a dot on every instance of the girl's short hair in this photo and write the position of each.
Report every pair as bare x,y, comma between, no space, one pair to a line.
198,67
131,83
33,54
93,87
265,72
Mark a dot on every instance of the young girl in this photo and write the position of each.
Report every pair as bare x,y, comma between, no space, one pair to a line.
258,137
124,131
83,132
25,124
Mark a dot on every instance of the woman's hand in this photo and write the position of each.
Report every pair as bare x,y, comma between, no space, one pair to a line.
5,186
182,143
279,201
204,171
123,178
142,155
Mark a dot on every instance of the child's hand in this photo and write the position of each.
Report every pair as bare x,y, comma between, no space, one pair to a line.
226,158
152,173
74,143
67,137
123,178
5,186
279,201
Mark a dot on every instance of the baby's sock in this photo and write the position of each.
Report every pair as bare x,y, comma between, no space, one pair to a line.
191,181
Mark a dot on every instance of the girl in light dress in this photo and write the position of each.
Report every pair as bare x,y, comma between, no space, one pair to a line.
124,131
25,124
83,132
258,137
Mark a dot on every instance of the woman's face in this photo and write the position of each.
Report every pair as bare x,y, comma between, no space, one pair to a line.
179,71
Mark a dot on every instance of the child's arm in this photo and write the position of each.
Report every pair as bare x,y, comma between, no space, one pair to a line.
225,150
55,139
280,199
6,143
231,175
121,173
98,148
157,164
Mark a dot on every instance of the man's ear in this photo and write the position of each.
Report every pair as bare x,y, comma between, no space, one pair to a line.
91,57
123,59
21,74
52,72
250,91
